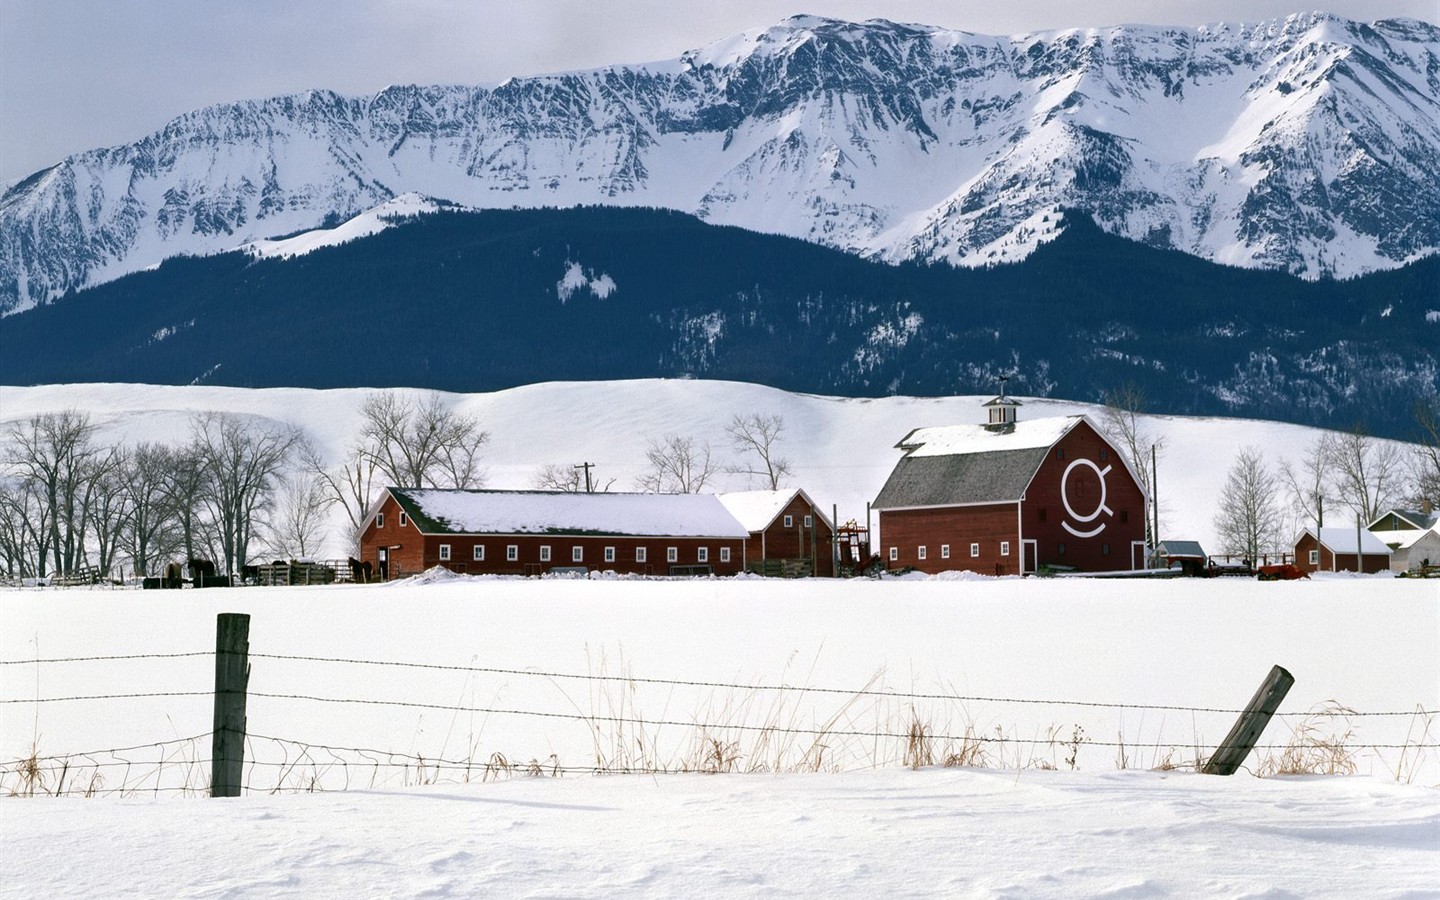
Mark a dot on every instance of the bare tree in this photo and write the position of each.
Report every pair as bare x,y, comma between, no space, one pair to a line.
296,526
58,455
241,461
558,477
1121,423
351,485
1425,459
1308,482
754,437
184,484
154,532
420,443
1250,519
678,465
110,512
24,527
1367,470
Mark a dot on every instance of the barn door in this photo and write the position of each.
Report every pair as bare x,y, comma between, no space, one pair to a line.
1029,549
1137,555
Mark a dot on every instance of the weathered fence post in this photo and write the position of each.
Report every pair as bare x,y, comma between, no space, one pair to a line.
232,673
1246,732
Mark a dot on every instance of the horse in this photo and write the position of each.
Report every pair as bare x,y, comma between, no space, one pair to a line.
173,575
359,571
201,568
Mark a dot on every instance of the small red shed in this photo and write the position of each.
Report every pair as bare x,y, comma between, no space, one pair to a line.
788,532
1333,550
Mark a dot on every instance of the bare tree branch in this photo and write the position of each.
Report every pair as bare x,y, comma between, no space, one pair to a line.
755,436
678,465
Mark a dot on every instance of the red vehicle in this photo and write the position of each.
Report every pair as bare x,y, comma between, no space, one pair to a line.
1281,572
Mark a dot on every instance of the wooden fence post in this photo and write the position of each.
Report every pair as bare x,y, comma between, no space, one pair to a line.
1246,732
232,673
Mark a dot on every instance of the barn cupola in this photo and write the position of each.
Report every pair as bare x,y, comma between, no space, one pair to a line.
1002,410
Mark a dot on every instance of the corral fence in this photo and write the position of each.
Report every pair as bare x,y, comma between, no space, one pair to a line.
241,760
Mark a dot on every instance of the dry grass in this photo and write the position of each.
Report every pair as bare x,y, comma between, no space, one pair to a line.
1316,747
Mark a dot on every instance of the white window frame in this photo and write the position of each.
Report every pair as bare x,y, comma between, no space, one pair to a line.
379,520
544,552
477,553
672,554
974,551
1004,548
1315,557
403,518
894,554
789,521
724,554
920,552
610,554
577,553
512,552
444,552
944,551
640,555
702,555
809,521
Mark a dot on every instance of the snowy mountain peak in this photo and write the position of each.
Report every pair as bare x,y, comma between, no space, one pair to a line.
1308,144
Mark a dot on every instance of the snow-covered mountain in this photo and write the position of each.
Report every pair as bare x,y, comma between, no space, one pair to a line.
1309,145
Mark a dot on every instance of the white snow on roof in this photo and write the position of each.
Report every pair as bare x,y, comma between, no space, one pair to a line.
756,509
1341,539
539,512
1404,537
954,440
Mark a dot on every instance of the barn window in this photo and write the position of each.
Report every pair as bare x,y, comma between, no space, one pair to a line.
921,552
1042,513
703,554
672,554
724,554
609,554
444,551
379,520
477,553
1124,515
403,520
894,553
1104,455
1004,548
1314,557
944,551
809,521
544,552
789,521
974,550
512,552
1104,549
640,554
577,553
1062,548
1060,453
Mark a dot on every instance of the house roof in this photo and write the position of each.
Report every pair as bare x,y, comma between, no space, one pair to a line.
1340,539
1177,549
1417,519
436,511
1404,539
954,465
757,510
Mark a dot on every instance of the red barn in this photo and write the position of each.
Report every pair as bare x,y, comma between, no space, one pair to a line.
1333,550
534,532
1010,497
788,533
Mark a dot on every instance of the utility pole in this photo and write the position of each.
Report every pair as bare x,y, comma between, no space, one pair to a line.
1154,505
587,467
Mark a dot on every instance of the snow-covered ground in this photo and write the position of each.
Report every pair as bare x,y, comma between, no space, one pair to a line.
863,825
421,704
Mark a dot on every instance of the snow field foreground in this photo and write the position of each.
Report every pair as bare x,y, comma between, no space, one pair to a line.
849,819
895,833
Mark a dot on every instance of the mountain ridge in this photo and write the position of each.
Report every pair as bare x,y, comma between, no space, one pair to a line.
1307,144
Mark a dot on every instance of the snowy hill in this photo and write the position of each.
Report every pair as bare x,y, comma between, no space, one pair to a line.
1309,145
842,449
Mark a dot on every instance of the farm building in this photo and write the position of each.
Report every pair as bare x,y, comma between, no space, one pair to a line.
534,532
1011,497
1188,556
1334,550
789,535
1413,537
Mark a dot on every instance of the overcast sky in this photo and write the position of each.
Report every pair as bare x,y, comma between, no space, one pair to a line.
76,74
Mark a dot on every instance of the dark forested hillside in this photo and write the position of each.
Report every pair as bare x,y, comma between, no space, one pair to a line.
471,301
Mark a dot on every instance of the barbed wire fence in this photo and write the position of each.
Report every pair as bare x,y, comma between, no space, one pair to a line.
899,733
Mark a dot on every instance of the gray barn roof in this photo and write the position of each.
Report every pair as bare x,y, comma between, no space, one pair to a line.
999,476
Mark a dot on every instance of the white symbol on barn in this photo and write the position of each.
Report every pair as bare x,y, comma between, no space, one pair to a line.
1100,507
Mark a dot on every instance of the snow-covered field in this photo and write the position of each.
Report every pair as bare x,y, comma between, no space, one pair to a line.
1053,688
